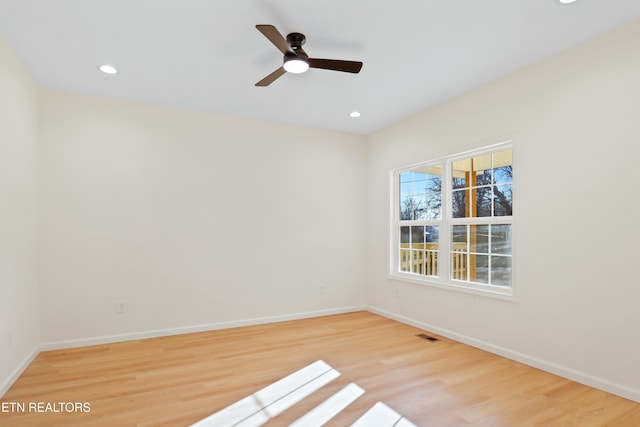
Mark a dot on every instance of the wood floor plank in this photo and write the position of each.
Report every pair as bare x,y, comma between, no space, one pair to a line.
179,380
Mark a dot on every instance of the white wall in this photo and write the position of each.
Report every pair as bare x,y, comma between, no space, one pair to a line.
19,323
193,218
576,207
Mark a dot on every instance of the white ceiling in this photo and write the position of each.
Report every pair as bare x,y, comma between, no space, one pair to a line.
207,54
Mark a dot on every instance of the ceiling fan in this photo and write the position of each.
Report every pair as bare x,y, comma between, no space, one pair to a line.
296,59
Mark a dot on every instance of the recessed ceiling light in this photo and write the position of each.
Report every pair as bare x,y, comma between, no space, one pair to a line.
566,1
108,69
354,114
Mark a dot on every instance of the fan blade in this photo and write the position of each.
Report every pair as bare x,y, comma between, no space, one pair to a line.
271,77
336,65
274,36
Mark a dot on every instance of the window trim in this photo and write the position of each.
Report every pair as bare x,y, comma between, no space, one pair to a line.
444,281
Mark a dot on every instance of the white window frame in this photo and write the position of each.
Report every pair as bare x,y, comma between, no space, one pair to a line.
446,223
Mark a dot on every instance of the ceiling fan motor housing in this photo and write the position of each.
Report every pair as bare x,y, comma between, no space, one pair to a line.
296,40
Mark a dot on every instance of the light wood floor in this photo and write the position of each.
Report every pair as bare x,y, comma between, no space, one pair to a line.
176,381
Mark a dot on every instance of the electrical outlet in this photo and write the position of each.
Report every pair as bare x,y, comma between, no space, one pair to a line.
396,292
323,288
121,306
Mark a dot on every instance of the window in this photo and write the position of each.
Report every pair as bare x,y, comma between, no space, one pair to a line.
452,221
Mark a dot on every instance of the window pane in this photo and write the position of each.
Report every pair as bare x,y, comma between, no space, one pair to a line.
503,200
420,186
405,253
502,175
434,178
432,235
483,178
460,171
459,203
405,190
406,208
501,270
459,266
430,263
501,239
420,206
459,252
481,170
481,164
459,235
405,260
479,268
503,166
405,237
417,237
413,207
483,202
459,182
434,192
416,261
479,238
434,205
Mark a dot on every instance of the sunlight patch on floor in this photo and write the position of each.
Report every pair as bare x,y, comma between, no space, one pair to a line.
267,403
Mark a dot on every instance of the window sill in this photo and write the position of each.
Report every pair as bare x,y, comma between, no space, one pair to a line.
490,291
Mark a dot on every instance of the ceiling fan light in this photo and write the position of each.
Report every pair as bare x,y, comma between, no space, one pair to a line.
296,65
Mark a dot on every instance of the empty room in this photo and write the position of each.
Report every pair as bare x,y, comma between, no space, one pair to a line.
342,213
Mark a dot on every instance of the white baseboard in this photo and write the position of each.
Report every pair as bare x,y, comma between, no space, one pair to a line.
8,382
563,371
581,377
108,339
